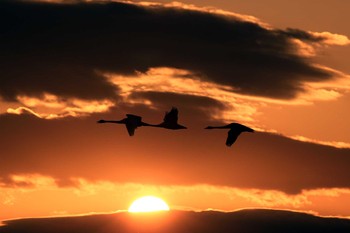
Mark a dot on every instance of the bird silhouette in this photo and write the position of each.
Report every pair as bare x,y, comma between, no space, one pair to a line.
131,122
235,130
170,120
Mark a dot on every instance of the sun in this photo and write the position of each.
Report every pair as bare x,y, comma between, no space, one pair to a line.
148,204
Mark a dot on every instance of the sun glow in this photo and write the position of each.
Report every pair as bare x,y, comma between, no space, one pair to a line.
148,204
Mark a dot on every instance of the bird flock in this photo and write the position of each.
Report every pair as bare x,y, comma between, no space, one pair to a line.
132,122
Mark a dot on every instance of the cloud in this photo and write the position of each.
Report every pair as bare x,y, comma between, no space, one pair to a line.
168,81
184,221
331,38
162,100
52,107
220,101
61,49
326,143
27,181
259,160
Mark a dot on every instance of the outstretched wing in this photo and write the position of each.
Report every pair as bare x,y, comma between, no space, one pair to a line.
232,136
132,122
171,117
131,129
235,131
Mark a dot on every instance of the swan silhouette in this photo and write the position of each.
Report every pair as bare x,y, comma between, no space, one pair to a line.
170,120
131,122
235,130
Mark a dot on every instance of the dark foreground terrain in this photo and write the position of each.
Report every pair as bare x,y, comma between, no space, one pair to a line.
245,221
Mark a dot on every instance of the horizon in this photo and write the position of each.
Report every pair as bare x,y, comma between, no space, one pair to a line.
267,220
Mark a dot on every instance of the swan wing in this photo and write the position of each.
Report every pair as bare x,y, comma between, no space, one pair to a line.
132,122
232,136
131,129
171,117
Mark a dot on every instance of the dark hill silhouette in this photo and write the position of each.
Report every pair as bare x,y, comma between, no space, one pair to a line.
247,221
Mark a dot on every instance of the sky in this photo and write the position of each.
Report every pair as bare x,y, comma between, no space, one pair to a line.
279,67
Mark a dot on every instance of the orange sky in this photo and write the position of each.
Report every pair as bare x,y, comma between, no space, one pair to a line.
291,86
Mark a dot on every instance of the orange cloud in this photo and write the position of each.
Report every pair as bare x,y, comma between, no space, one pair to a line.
332,38
207,9
326,143
169,80
51,106
31,181
302,48
311,49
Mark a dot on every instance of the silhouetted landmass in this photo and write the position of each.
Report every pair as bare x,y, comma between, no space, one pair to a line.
247,221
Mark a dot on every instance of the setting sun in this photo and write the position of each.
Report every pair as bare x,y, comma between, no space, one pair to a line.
148,204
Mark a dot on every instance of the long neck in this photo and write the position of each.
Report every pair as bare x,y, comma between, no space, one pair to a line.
151,125
109,121
217,127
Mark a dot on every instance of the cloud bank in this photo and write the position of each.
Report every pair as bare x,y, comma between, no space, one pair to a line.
259,160
61,48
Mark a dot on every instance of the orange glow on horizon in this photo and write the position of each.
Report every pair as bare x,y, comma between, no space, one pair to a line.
107,197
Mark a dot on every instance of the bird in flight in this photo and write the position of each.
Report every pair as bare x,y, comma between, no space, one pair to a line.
235,130
170,120
132,122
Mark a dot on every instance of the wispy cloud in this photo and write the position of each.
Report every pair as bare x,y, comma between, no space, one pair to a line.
336,144
52,107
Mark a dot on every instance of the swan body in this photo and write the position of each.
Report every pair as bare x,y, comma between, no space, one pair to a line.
132,122
235,130
170,120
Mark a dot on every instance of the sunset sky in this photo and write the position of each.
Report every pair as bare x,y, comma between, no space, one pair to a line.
280,67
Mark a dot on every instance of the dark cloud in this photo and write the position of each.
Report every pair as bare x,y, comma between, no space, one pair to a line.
81,148
300,34
188,105
199,107
175,99
257,221
58,48
7,181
